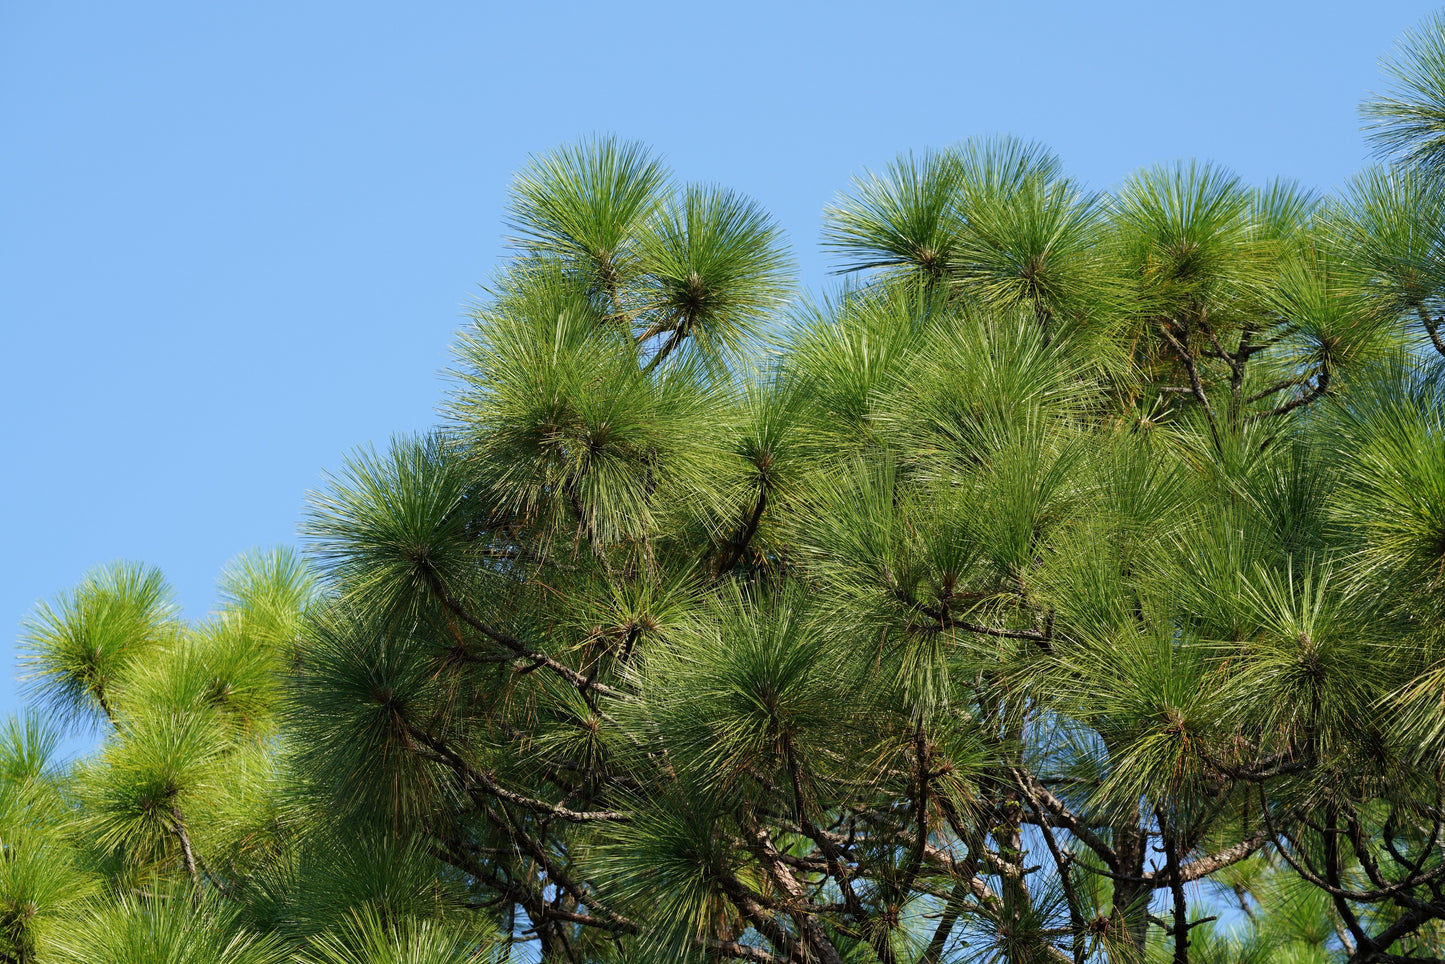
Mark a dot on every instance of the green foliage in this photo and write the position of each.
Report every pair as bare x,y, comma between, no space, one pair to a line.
1065,587
1408,121
365,938
79,648
164,928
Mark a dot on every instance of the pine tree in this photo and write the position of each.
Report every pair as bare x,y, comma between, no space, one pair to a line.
1066,587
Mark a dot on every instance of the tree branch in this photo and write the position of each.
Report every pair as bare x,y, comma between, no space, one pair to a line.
470,776
1195,383
583,683
1202,867
188,857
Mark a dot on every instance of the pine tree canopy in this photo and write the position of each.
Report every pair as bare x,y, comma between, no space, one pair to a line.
1068,587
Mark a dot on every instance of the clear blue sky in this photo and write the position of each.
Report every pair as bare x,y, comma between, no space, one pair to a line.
236,238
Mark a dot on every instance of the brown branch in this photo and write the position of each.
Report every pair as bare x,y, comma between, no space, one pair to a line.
748,904
505,822
1432,328
1062,862
920,749
933,954
1195,383
946,620
740,952
98,691
1407,924
1276,387
1362,939
1320,387
783,876
1236,362
1045,799
675,339
1202,867
470,776
583,683
187,855
833,853
552,912
738,544
1180,930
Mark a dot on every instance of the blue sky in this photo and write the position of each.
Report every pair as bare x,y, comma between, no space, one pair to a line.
236,238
